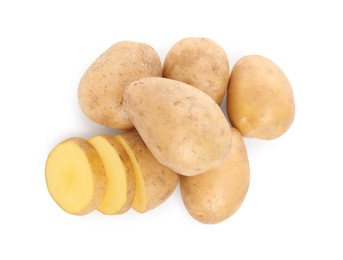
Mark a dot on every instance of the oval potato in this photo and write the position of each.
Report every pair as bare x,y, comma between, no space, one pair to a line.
183,127
199,62
101,87
260,101
216,195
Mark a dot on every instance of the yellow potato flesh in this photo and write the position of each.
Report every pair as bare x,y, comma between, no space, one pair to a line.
74,176
115,199
140,201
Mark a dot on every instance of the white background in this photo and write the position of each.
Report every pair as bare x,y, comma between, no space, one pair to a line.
294,208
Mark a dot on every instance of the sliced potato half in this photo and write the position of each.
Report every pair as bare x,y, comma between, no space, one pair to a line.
154,182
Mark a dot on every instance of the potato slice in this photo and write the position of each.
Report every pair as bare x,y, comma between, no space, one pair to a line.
154,182
120,187
75,176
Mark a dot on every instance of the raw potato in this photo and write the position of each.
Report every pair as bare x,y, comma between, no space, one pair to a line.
75,176
199,62
214,196
154,182
260,101
183,127
120,186
101,87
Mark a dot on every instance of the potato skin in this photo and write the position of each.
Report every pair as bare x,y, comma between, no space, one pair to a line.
199,62
183,127
101,87
216,195
260,101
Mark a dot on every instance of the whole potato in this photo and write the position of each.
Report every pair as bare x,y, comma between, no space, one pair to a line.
101,87
183,127
214,196
260,101
199,62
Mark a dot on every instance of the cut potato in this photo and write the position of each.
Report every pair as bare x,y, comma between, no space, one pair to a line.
154,182
120,187
75,176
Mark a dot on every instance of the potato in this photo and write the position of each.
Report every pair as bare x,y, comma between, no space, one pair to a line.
260,101
75,176
214,196
101,87
182,126
199,62
154,182
120,183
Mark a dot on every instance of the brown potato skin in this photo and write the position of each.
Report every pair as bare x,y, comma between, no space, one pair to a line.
216,195
260,101
183,127
159,181
199,62
101,87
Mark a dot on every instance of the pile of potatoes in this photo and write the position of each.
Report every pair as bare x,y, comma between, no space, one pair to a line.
173,130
